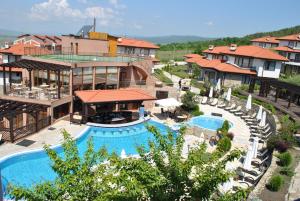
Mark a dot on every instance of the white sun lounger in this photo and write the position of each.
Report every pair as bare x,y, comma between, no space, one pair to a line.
230,107
249,116
236,109
221,105
214,102
258,162
204,100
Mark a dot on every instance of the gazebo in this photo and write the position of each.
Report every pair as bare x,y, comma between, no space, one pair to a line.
111,106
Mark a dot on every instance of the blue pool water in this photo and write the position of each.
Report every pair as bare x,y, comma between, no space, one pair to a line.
207,122
31,168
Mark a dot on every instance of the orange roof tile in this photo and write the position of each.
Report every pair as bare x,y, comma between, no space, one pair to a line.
286,49
16,49
249,51
293,37
118,95
266,39
192,55
218,65
136,43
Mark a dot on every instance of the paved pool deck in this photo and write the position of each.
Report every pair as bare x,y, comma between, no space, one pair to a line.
45,136
240,129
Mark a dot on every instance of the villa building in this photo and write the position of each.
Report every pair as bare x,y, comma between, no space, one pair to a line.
289,47
265,42
136,47
50,78
235,65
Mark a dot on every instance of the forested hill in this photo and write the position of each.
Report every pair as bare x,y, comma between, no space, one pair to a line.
199,46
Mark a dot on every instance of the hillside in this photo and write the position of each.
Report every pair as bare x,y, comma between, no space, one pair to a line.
199,46
8,35
173,39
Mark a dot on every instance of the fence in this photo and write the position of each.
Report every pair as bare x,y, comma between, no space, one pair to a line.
23,131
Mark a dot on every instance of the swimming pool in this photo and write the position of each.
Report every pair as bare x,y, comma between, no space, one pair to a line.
31,168
207,122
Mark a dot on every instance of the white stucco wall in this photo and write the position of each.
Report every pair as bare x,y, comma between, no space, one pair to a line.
259,66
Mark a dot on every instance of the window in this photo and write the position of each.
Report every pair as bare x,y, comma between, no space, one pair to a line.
269,65
243,61
291,44
297,57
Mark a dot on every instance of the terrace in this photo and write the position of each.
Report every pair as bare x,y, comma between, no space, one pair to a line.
45,81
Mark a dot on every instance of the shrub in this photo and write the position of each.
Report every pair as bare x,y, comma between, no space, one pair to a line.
188,101
224,129
285,159
230,136
275,183
281,142
224,144
287,171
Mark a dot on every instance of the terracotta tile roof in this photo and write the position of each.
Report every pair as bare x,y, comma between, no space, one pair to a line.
16,49
118,95
136,43
293,37
192,55
13,69
218,65
266,39
249,51
286,49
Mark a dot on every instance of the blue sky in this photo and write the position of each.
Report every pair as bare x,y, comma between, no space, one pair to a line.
209,18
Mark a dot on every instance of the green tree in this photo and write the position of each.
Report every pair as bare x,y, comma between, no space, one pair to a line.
161,173
196,71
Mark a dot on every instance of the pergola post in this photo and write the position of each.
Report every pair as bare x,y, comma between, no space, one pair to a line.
30,79
9,77
252,85
58,84
11,128
4,81
261,89
48,77
84,112
36,121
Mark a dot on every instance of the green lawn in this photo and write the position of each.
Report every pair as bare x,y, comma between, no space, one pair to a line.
165,56
293,80
181,71
159,75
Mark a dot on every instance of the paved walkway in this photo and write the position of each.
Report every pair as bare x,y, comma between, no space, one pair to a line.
294,189
176,79
45,136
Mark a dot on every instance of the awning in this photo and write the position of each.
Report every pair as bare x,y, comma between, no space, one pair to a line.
113,96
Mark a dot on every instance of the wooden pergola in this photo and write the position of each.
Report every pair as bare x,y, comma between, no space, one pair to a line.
267,83
31,65
10,109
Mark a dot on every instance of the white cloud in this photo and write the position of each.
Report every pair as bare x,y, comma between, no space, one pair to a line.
137,26
82,1
209,23
61,9
117,4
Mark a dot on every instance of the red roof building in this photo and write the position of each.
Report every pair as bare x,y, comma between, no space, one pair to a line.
109,96
129,42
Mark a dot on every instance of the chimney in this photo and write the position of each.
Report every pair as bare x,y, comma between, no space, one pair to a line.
94,25
233,47
299,36
119,39
211,47
6,45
